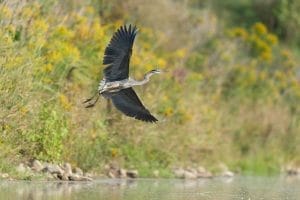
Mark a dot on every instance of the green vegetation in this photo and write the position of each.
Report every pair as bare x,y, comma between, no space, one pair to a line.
231,94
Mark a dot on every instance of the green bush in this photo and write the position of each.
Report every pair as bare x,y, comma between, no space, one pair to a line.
46,139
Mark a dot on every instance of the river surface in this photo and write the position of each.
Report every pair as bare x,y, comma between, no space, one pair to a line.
244,188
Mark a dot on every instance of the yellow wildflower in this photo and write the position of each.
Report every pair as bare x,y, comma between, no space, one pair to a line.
80,19
272,39
180,53
168,111
63,32
266,56
26,12
161,63
83,31
48,67
54,57
97,31
24,110
40,26
261,45
70,51
114,152
238,32
5,12
260,28
64,102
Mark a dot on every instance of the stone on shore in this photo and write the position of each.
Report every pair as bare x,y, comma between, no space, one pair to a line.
53,169
78,171
192,173
122,173
67,169
114,171
21,168
36,166
76,177
132,173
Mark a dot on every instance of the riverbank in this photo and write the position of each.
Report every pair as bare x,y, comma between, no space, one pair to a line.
44,171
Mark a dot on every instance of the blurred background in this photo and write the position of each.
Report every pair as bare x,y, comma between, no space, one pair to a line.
230,97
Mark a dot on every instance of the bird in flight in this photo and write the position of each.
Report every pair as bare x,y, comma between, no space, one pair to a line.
116,84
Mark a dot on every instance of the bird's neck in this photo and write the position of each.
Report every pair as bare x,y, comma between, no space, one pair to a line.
145,80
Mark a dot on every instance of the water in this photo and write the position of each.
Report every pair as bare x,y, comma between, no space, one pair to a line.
243,188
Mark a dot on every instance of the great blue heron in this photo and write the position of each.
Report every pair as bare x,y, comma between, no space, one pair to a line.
116,84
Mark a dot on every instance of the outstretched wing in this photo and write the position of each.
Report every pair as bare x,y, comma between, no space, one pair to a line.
128,102
118,52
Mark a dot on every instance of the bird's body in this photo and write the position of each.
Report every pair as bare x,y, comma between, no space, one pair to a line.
116,84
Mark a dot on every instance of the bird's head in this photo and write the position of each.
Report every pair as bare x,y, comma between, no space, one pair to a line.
152,72
156,71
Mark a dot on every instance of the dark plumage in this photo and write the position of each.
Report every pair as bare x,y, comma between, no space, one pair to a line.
128,102
117,54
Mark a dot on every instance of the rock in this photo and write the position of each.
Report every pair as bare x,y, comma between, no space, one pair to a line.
50,177
201,169
292,170
67,169
110,174
36,166
106,167
179,173
53,169
203,173
192,173
85,178
206,174
78,171
88,175
55,176
75,177
122,173
156,173
63,177
4,175
189,175
227,174
28,169
21,168
132,173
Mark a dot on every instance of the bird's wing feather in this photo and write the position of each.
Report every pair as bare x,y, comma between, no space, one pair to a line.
128,102
118,52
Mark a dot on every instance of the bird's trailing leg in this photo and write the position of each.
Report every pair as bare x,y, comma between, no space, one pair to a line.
90,99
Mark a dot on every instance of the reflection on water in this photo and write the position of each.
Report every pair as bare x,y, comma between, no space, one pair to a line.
155,189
